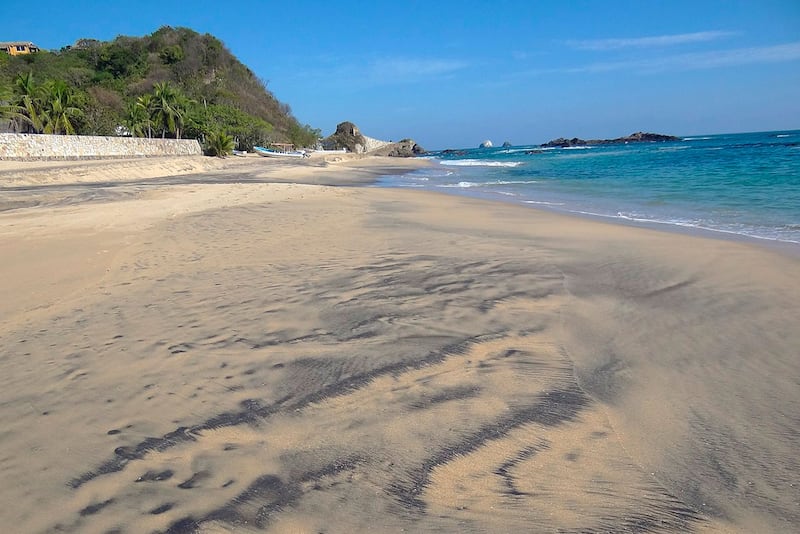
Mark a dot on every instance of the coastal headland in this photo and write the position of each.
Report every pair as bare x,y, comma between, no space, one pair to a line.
248,345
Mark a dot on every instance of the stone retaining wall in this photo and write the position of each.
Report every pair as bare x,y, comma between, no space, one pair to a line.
70,147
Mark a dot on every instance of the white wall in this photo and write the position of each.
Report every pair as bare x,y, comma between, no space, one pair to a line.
41,146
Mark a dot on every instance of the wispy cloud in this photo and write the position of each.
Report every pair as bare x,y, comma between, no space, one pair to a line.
405,70
699,60
375,72
650,42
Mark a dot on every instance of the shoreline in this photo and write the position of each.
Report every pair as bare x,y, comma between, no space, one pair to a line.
208,350
791,248
325,169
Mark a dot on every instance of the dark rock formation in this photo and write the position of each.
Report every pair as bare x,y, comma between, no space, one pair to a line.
407,148
644,137
638,137
507,144
563,142
347,135
486,144
454,152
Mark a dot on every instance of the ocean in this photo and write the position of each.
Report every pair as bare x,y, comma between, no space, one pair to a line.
744,184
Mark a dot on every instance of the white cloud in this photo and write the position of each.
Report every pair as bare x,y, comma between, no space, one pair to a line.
700,60
649,42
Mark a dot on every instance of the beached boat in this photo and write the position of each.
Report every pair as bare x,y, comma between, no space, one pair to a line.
280,150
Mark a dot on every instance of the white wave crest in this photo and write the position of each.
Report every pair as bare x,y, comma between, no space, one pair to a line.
543,203
480,163
487,184
672,148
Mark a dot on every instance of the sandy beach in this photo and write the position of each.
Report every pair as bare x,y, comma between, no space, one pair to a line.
245,345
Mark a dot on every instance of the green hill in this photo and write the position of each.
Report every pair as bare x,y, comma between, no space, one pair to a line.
211,89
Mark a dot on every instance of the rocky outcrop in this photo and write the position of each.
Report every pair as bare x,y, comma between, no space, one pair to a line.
486,144
638,137
507,144
407,148
349,137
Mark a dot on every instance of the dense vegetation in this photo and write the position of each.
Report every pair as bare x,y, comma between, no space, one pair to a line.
173,83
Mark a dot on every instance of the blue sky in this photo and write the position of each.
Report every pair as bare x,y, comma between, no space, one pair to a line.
451,74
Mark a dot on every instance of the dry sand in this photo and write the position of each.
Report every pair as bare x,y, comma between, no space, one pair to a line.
179,355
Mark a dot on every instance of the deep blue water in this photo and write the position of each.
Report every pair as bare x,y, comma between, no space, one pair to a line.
746,184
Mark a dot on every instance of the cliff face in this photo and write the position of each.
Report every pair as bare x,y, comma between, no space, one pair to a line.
348,136
638,137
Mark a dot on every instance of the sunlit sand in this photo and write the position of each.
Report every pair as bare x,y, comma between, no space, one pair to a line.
213,353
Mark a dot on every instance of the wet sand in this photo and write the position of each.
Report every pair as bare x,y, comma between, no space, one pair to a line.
179,355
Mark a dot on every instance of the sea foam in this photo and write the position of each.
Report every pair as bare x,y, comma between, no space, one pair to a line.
480,163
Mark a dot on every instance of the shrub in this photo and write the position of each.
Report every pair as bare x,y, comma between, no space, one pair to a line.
219,144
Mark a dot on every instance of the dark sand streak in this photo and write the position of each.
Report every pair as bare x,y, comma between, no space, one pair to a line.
253,412
551,409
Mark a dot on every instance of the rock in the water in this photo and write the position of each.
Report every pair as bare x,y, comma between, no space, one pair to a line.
563,142
507,144
638,137
486,144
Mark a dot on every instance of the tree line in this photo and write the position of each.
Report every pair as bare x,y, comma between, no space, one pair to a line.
53,108
48,108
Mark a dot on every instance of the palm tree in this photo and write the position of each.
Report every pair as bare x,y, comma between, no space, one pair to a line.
28,103
58,109
165,112
219,144
169,108
182,106
145,104
9,111
135,120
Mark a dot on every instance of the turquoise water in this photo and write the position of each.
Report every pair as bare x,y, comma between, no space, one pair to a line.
746,184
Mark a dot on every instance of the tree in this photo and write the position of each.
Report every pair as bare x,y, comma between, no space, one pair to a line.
171,54
27,100
58,110
103,111
219,144
136,120
9,111
304,135
145,106
169,108
247,131
163,110
182,105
